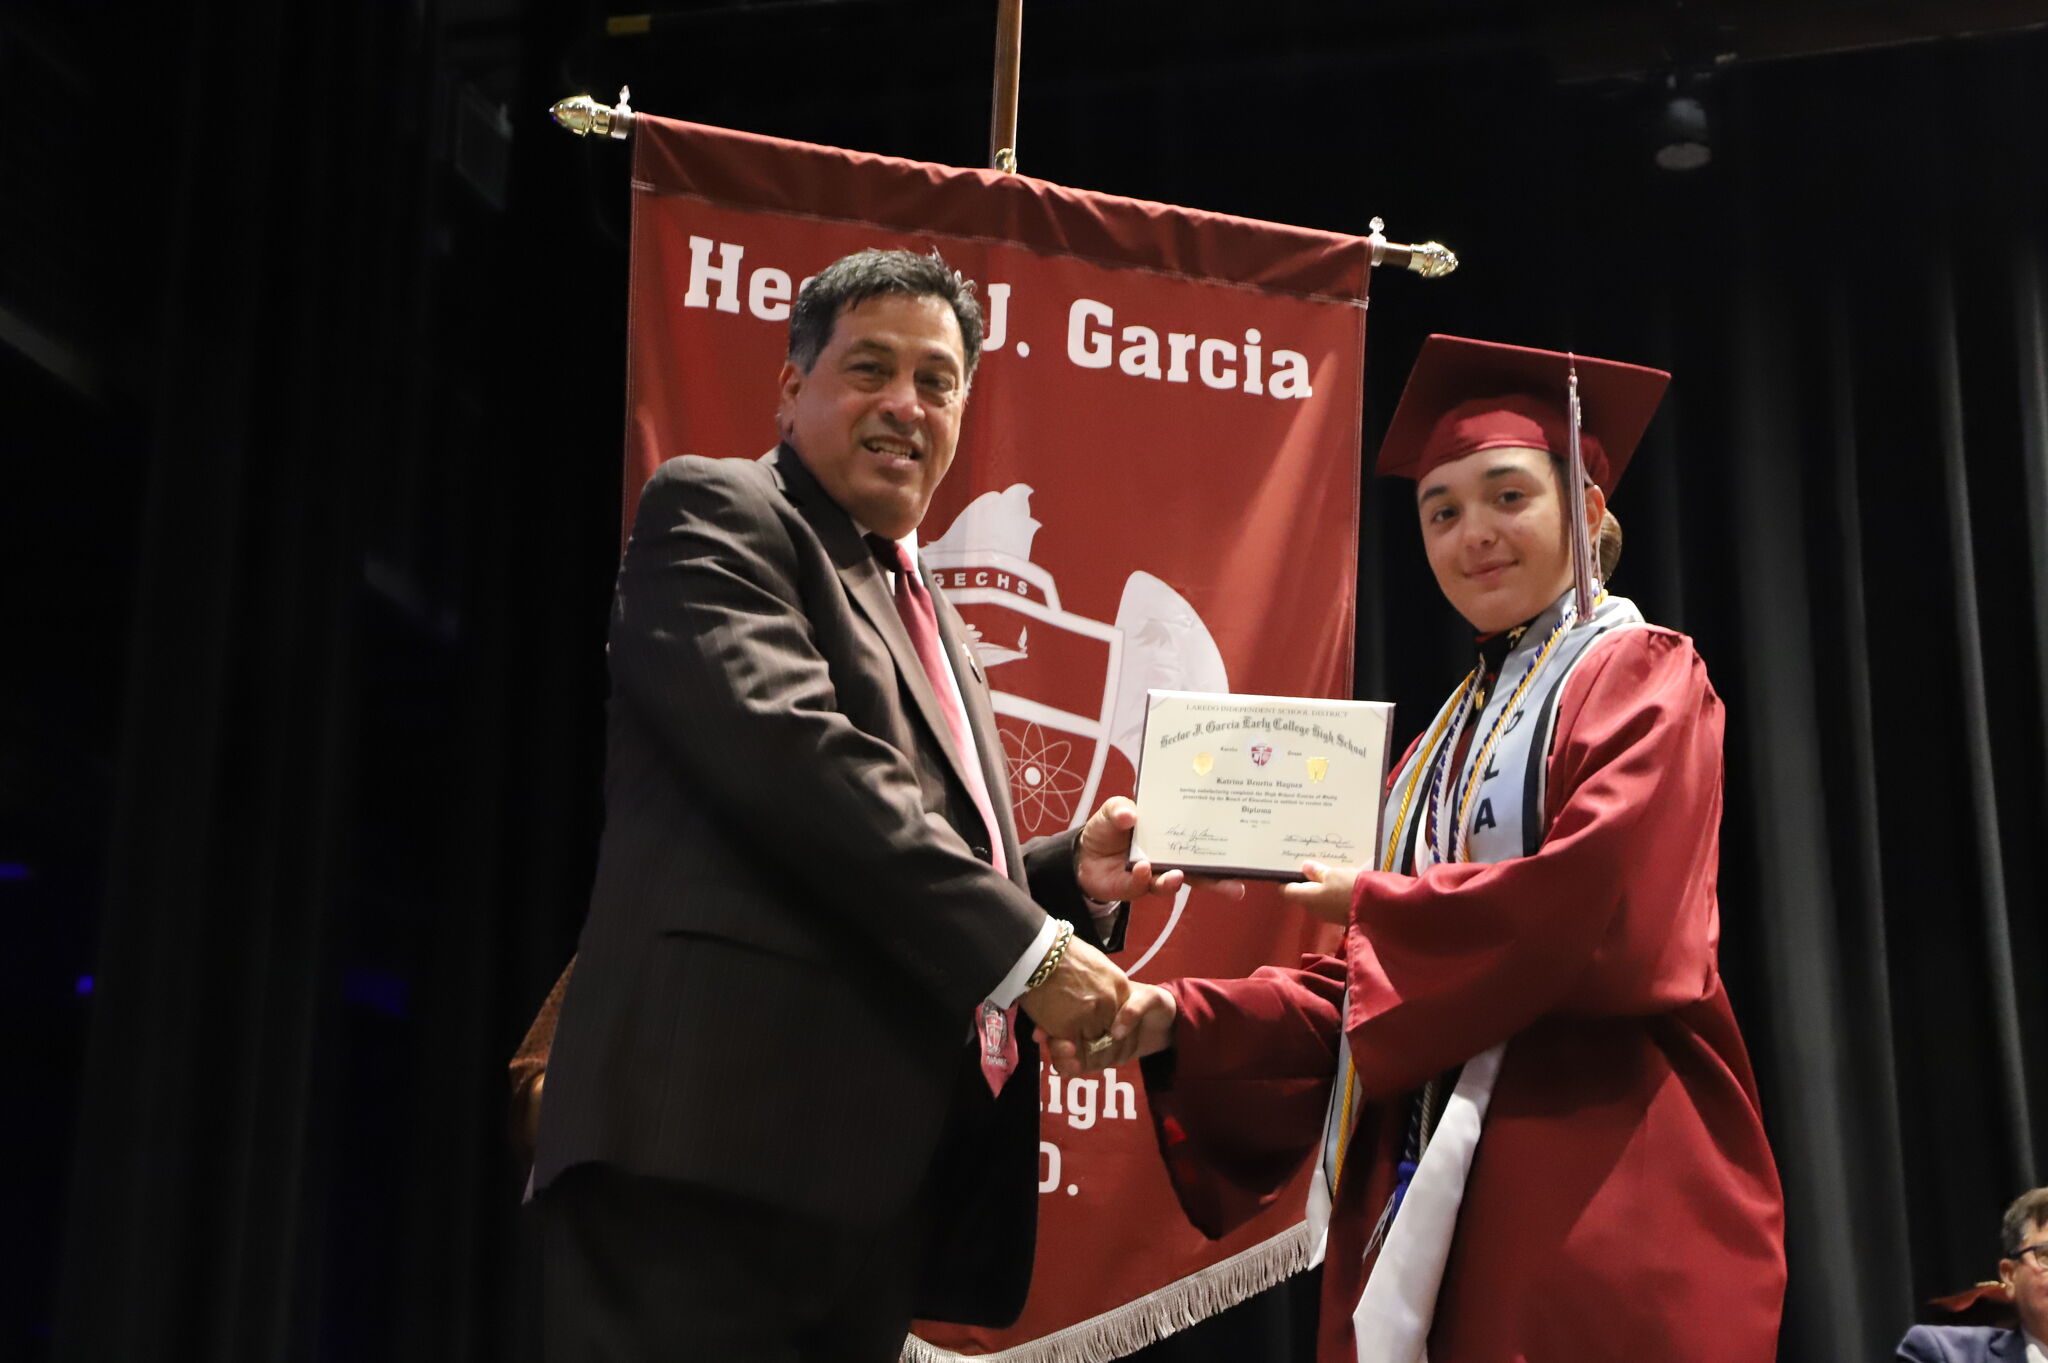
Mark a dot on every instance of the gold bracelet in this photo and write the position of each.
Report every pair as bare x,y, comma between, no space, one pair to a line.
1052,957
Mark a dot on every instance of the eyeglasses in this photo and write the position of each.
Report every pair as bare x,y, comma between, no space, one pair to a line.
2036,1252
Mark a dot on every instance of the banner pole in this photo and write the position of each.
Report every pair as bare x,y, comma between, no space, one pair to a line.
585,117
1430,259
1002,128
582,115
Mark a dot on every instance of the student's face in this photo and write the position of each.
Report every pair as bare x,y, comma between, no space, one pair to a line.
1494,529
2028,1276
877,416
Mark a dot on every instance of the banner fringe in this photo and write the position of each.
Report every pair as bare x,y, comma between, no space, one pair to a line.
1155,1315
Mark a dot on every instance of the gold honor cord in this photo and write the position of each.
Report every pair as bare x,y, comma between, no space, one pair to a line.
1423,761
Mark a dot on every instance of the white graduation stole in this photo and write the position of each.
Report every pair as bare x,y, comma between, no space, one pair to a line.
1503,816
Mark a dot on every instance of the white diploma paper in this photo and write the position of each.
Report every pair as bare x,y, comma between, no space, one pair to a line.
1252,786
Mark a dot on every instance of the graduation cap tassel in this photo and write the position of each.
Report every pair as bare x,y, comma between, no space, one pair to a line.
1575,500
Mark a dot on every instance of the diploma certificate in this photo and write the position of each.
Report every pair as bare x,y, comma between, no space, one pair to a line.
1252,786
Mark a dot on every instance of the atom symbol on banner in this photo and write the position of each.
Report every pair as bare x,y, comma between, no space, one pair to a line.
1040,782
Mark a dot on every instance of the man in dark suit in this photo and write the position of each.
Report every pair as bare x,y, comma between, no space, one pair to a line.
2024,1272
789,1102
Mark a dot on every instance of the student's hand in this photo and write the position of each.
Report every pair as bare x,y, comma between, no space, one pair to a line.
1326,893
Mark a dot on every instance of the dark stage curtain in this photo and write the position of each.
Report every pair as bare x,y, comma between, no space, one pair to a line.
355,803
1846,507
377,410
1844,502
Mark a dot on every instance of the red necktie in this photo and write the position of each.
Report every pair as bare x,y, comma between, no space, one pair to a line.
994,1028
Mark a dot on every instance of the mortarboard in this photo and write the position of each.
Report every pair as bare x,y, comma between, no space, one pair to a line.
1465,395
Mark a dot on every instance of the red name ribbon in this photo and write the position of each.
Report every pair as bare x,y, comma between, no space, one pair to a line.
1156,486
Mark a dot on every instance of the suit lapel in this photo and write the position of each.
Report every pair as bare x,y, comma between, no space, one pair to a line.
869,590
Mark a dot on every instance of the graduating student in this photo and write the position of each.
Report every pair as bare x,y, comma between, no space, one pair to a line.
1536,1126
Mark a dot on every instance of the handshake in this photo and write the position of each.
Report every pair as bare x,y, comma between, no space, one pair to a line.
1089,1014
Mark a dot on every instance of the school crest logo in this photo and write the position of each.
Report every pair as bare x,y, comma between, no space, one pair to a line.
1068,690
1262,753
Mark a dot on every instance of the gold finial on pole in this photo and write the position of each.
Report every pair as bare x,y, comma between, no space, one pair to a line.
584,116
1430,259
1002,125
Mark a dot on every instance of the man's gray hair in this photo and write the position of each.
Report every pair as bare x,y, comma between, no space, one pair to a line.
852,280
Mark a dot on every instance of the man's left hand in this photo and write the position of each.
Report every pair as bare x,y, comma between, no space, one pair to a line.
1103,866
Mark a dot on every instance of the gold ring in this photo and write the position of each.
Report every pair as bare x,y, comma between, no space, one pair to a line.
1101,1043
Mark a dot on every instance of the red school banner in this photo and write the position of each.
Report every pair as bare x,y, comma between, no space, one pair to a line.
1156,486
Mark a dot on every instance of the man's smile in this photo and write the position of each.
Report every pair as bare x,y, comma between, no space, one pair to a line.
893,450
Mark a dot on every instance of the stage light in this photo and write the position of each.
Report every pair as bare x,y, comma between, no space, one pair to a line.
1682,137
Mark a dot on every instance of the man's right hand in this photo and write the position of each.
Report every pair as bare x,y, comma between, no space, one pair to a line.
1081,999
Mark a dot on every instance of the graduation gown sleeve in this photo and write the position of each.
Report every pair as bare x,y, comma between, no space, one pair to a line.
1238,1105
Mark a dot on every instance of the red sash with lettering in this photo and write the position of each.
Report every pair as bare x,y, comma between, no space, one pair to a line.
1156,486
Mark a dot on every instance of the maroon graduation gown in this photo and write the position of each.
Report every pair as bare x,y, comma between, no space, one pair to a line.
1623,1203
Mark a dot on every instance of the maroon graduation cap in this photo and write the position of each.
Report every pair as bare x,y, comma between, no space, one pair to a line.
1465,395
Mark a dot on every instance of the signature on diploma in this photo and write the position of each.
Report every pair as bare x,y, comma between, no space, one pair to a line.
1332,845
1193,842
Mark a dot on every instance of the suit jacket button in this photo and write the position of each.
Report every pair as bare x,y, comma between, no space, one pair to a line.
980,851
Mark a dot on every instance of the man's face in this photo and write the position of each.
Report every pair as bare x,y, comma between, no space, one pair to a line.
876,418
2028,1277
1496,535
